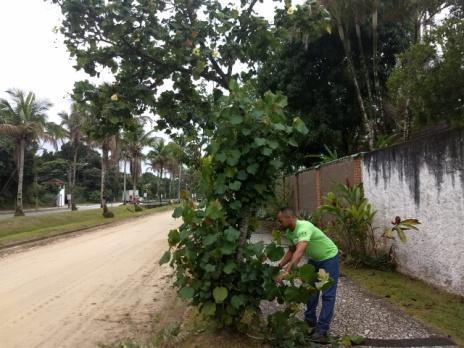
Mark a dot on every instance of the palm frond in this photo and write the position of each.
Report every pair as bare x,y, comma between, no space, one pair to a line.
11,130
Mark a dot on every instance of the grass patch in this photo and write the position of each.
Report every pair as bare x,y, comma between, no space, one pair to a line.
14,230
433,307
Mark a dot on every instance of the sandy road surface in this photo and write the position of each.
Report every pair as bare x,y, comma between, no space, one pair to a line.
96,287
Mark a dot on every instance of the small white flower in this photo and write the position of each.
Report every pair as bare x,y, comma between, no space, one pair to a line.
290,10
114,97
215,53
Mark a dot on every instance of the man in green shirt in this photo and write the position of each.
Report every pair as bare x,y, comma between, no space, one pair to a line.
306,239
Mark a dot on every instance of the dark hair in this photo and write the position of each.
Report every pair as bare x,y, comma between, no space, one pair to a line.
287,211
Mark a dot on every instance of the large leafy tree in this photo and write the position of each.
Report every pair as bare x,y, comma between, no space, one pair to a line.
190,45
23,117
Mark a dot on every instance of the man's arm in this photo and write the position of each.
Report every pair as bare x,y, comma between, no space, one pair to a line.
296,255
288,256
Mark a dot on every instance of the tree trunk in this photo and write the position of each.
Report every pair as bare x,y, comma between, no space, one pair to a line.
170,185
160,184
363,63
103,176
69,185
73,183
19,198
367,122
375,63
243,237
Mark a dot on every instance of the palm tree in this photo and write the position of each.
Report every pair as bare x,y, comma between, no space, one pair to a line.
73,124
133,143
159,159
24,118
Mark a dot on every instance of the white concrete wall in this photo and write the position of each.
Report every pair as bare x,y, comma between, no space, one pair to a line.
425,180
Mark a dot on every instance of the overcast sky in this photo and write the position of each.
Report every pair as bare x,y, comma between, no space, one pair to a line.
33,57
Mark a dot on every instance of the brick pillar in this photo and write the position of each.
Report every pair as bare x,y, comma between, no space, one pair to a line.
318,188
357,171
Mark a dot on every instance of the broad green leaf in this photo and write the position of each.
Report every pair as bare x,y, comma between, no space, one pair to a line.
236,119
208,309
256,248
246,131
186,292
228,249
242,175
209,239
221,157
233,158
273,144
236,205
230,267
260,141
231,234
300,126
274,252
279,127
229,172
210,268
220,294
253,168
237,301
266,151
177,212
292,142
307,273
214,210
293,294
235,186
173,237
165,258
184,234
233,85
277,164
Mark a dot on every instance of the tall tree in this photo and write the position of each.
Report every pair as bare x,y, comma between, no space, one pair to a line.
24,118
73,123
159,159
106,111
134,142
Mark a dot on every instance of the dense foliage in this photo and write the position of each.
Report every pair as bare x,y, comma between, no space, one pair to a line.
217,266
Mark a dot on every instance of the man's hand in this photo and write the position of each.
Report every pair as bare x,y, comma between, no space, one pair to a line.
280,277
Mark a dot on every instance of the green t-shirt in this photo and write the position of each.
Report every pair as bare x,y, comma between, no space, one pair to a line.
320,247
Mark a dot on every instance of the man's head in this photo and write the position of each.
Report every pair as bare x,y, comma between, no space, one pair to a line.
287,218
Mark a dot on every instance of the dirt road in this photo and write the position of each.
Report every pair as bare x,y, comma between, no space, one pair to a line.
77,292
